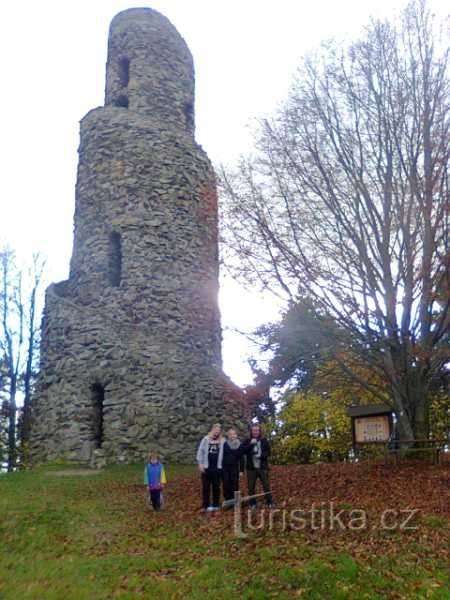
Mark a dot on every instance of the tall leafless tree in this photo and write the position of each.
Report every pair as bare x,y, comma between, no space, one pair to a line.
346,199
18,342
3,415
32,324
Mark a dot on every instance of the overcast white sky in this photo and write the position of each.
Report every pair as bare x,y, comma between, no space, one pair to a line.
53,56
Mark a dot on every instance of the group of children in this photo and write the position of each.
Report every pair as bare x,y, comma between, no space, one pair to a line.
221,461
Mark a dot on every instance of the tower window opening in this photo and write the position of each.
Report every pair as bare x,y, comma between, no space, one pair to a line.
189,115
124,71
122,101
98,398
115,259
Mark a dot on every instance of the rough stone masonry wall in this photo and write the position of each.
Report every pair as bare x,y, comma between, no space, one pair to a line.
131,342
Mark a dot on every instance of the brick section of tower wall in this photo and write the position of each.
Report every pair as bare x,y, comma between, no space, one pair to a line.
146,331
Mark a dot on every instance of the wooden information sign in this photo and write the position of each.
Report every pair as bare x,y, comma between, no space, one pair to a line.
372,429
371,424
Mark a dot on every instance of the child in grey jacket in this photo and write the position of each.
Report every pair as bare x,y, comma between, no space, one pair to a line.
209,459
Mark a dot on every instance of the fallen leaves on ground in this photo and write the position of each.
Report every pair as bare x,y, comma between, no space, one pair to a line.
370,487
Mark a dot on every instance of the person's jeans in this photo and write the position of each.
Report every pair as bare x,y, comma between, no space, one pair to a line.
155,498
263,475
230,481
211,481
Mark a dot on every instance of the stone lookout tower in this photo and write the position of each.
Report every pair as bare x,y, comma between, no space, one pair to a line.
131,342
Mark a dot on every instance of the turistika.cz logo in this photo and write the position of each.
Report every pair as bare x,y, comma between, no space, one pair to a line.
322,516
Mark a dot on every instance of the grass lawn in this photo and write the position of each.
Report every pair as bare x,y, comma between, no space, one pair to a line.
73,536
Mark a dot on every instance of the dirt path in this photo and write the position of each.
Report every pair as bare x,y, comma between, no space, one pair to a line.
73,472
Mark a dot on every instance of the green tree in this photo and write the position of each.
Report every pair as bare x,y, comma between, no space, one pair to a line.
313,424
311,428
296,344
440,410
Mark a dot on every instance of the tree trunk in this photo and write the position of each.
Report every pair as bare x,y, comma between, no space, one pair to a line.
25,427
404,424
421,423
12,446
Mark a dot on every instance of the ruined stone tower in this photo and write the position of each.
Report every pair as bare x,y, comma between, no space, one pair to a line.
131,342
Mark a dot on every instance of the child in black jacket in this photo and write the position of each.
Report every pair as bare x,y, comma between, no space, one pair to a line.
233,464
257,452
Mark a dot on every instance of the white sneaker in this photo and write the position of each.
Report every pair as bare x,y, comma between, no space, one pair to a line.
210,509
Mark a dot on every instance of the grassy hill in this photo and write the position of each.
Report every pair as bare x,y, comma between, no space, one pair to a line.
65,535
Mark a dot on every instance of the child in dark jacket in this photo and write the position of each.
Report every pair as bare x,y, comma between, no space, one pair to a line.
233,464
155,479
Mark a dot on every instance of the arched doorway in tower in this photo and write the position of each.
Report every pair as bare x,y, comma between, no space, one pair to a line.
97,403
